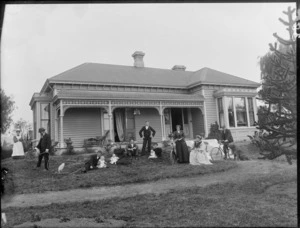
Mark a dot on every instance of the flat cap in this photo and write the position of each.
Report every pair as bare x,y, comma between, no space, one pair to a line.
41,130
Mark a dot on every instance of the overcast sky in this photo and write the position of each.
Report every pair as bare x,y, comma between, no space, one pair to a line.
41,41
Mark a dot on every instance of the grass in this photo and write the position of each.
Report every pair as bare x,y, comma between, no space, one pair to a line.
265,201
23,179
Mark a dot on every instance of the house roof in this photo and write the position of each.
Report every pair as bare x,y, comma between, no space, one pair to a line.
97,73
86,94
117,74
211,76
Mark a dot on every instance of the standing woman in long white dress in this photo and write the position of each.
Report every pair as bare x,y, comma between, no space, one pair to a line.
18,149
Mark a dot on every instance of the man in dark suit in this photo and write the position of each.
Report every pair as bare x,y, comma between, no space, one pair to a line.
226,139
146,130
132,148
92,162
44,147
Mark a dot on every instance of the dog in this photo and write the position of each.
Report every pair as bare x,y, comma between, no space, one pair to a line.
238,154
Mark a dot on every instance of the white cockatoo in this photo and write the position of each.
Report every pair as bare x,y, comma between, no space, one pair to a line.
61,167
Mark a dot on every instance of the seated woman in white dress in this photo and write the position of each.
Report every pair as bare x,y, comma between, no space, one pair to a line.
18,149
198,155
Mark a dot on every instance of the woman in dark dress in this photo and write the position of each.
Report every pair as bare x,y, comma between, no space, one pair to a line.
181,147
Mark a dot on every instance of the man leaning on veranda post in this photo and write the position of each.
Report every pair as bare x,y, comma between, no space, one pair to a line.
44,148
226,139
145,133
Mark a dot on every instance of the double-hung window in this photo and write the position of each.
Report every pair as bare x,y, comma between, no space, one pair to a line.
236,111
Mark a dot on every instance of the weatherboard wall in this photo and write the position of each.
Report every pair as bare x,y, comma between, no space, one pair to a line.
80,124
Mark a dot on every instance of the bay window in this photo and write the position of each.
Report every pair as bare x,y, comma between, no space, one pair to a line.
236,111
230,110
45,116
105,122
251,111
221,112
241,113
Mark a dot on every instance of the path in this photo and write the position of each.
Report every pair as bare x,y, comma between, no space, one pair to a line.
245,170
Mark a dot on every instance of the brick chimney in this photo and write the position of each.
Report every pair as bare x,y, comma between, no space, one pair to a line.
138,58
179,67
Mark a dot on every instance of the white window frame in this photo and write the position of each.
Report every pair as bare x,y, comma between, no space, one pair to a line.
225,110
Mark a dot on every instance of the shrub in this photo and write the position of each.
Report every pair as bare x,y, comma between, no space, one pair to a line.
70,148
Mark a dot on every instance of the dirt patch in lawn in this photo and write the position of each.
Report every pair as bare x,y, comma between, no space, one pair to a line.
253,195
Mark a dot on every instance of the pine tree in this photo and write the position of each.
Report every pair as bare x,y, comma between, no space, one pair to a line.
279,115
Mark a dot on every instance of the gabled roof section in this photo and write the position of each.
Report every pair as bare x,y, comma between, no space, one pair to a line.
211,76
118,74
97,73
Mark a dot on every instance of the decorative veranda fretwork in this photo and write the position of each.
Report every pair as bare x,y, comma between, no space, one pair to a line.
111,105
182,103
93,102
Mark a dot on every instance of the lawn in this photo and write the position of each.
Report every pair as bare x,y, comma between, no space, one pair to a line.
23,179
262,201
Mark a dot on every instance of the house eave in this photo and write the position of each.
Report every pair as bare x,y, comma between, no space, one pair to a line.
218,94
114,84
222,84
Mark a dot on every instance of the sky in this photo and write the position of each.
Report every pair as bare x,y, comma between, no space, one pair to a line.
40,41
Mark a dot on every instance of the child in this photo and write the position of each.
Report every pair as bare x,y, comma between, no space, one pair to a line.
114,159
102,163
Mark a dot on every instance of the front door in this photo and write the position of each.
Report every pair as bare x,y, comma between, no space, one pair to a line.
179,116
176,116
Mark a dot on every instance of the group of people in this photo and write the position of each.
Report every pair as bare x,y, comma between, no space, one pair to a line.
198,155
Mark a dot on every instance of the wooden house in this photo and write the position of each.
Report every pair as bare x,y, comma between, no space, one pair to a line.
90,99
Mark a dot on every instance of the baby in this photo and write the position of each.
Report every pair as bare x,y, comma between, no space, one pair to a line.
102,163
114,159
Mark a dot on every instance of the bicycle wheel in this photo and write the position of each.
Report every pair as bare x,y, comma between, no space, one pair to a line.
216,154
173,157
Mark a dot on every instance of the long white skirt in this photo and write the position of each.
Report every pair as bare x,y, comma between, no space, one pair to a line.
198,157
18,149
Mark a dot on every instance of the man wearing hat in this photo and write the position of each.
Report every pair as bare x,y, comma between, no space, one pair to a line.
44,147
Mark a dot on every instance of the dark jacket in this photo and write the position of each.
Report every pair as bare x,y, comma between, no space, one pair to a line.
93,160
119,152
177,135
147,133
129,146
226,135
124,160
44,143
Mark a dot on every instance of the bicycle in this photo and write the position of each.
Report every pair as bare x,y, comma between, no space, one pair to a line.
217,153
